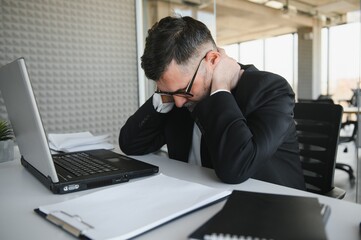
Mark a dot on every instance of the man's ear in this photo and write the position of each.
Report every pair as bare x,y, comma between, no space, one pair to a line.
213,57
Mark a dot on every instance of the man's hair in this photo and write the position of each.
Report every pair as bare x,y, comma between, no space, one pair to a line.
171,38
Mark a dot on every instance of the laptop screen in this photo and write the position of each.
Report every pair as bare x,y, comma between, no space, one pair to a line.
25,119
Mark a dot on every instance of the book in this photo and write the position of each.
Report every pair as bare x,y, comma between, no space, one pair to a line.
130,209
251,215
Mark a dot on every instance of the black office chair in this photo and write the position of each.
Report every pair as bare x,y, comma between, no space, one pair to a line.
318,127
326,99
345,139
353,102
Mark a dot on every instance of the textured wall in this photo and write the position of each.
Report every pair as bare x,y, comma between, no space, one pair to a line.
81,58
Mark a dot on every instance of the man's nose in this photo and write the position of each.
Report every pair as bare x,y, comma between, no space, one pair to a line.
179,101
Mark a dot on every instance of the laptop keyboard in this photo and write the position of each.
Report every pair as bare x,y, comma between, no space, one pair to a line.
82,164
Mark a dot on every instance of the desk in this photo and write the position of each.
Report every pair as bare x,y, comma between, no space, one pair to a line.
354,110
20,193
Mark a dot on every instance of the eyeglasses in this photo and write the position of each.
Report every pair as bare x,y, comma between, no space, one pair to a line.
186,91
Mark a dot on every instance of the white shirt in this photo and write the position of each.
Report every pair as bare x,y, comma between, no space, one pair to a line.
194,156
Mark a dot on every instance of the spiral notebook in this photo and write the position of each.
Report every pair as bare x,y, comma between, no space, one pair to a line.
250,215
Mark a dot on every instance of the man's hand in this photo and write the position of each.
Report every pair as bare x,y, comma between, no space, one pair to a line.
226,73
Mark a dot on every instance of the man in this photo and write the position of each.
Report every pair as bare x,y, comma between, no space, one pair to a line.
244,117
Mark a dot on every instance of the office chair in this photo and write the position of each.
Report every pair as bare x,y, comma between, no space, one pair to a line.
318,128
326,99
353,102
345,139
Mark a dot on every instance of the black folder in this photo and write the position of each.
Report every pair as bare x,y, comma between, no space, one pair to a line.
265,216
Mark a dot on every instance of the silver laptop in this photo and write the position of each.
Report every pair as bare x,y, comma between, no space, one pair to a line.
63,172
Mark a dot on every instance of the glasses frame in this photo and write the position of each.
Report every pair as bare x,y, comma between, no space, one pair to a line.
186,91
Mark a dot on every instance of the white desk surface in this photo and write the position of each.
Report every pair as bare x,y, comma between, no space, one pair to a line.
20,193
351,110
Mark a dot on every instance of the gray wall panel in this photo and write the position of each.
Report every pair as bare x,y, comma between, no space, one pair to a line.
81,58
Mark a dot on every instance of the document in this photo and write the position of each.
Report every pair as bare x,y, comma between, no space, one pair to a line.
81,141
127,210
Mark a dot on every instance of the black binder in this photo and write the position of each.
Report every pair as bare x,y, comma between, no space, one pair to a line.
265,216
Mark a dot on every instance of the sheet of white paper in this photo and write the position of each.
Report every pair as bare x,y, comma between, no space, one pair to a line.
129,209
57,139
72,142
107,146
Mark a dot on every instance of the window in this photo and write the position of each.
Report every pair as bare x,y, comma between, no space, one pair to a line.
341,60
252,52
281,62
265,54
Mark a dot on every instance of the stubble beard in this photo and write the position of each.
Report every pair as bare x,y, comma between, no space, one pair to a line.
192,104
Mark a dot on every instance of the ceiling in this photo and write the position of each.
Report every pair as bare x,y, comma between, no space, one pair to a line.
243,20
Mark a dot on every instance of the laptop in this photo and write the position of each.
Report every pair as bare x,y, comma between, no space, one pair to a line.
61,172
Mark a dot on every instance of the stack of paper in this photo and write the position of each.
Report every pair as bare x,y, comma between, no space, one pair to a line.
82,141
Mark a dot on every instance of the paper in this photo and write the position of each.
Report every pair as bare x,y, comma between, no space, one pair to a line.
129,209
73,142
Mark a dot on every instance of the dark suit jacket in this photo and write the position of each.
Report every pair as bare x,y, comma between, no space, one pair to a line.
247,134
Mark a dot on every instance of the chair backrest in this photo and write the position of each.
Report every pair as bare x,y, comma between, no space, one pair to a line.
318,127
